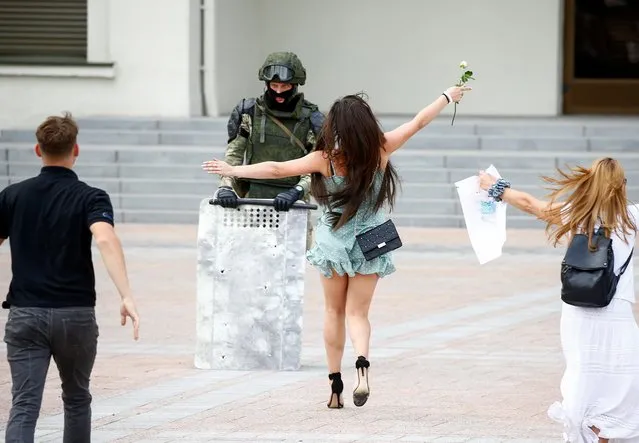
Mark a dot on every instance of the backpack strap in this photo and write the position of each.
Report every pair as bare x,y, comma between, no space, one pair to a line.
305,114
317,120
625,265
248,106
311,112
234,125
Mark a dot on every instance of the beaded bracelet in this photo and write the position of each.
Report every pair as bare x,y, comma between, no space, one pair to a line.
498,188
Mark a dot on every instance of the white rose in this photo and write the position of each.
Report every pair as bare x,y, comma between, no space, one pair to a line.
463,64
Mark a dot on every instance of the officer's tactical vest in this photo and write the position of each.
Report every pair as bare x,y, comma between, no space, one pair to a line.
268,142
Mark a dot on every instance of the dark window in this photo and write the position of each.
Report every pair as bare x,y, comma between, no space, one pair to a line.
43,31
607,39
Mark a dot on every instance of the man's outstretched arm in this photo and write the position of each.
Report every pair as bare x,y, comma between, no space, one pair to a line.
100,221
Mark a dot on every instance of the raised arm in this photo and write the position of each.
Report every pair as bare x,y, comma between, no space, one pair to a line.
313,162
398,136
519,199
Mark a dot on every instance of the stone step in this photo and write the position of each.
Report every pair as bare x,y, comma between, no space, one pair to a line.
167,187
214,124
565,126
411,174
113,170
91,154
151,167
544,162
420,185
408,174
415,200
562,125
156,201
164,186
539,141
151,123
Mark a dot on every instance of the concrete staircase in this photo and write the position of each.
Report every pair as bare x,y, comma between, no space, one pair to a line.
152,170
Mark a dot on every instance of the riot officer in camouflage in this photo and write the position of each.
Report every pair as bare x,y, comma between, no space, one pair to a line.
280,125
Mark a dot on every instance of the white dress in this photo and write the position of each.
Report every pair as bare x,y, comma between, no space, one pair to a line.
600,386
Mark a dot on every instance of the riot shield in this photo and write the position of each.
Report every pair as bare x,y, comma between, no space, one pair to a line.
250,285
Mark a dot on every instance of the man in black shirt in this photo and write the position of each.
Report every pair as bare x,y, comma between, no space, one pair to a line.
50,220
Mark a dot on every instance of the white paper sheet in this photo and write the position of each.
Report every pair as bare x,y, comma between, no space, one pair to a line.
487,232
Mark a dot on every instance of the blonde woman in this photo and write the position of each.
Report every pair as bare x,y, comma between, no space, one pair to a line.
600,385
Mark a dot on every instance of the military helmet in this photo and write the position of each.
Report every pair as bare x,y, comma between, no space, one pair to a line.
286,66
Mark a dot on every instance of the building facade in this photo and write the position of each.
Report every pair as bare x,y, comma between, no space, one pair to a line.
182,58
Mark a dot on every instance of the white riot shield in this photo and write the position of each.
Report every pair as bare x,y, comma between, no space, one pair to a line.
250,285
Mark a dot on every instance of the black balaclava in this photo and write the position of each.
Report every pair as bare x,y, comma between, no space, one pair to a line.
290,101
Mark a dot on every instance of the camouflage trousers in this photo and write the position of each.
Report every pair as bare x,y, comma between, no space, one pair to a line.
310,232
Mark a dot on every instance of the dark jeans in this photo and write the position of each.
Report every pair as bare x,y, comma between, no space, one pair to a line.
33,336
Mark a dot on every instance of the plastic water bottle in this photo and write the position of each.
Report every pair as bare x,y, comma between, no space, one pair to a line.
488,207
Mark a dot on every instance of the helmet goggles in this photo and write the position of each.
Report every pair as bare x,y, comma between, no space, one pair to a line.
283,73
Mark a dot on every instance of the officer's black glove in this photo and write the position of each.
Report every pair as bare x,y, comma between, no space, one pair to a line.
284,200
226,197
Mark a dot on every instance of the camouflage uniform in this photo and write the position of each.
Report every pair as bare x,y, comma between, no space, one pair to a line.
254,137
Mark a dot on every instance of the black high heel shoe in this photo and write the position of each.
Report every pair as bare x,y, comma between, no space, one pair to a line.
362,391
337,386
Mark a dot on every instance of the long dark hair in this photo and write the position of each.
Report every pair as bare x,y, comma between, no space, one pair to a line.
352,128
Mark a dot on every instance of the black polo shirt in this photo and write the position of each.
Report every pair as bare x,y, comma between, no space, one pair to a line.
46,219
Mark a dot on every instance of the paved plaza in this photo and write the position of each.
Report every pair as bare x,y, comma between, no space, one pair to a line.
460,353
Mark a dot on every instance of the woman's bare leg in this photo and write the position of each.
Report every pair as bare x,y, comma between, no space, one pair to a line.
334,332
358,301
334,319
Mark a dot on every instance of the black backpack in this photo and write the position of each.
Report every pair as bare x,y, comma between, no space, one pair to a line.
588,279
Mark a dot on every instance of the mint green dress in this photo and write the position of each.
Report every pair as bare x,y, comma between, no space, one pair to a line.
338,250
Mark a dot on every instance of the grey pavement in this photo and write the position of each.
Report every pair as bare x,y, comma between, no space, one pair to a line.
460,353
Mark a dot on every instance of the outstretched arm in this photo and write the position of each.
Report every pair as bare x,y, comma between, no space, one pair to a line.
526,202
398,136
519,199
313,162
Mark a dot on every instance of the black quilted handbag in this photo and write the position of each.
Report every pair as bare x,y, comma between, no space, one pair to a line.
379,240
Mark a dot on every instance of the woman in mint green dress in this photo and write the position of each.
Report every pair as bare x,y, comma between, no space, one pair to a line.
352,179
